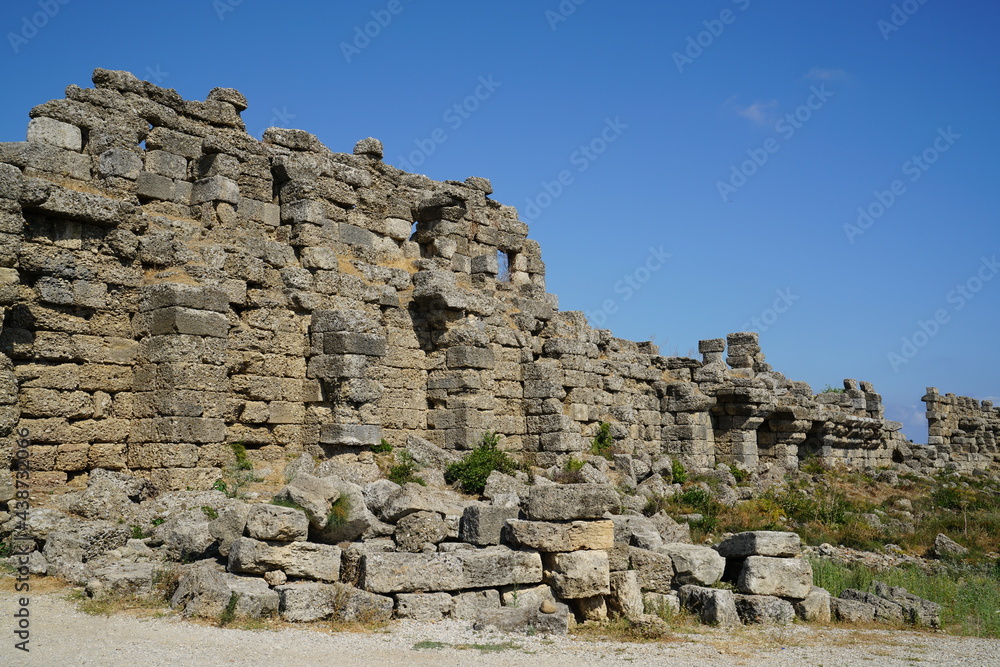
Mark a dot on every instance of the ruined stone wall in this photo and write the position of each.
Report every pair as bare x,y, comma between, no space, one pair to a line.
171,284
961,430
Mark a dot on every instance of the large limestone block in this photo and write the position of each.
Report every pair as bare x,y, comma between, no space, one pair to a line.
351,517
764,609
654,570
473,603
578,574
419,530
482,524
815,606
552,620
573,536
761,543
297,559
693,564
626,595
413,497
424,606
783,577
714,606
453,571
886,611
851,611
568,502
338,602
274,522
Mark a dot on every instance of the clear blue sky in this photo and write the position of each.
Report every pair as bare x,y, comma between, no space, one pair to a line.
829,101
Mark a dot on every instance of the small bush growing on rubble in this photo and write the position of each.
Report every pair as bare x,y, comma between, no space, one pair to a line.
473,470
602,443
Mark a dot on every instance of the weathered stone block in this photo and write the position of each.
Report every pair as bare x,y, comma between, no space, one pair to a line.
465,356
764,609
424,606
155,186
655,570
55,133
354,343
474,603
215,189
354,435
713,606
566,502
419,530
886,611
851,611
815,606
626,595
482,524
274,522
479,568
693,564
578,574
176,319
120,162
296,559
553,620
783,577
573,536
337,602
760,543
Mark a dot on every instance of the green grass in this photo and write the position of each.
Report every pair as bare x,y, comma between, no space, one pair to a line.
340,512
969,596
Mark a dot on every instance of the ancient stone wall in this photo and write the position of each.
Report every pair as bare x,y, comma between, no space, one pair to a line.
962,431
171,284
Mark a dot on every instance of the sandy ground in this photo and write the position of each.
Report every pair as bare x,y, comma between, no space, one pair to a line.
63,635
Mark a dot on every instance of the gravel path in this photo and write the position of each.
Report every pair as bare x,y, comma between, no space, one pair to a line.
61,635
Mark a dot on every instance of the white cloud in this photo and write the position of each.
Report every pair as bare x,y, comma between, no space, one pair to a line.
825,74
758,112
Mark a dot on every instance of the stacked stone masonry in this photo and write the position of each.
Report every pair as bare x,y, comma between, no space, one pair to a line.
171,284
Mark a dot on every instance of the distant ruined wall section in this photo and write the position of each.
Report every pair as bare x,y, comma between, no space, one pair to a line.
170,284
962,430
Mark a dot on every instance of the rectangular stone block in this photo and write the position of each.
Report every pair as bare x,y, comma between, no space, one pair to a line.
179,320
55,133
297,559
166,164
338,602
465,356
579,574
568,502
761,543
154,186
482,524
195,297
478,568
424,606
354,435
354,343
215,189
782,577
573,536
338,366
352,235
654,570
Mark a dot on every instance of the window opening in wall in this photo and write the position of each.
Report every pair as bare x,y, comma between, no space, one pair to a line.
503,266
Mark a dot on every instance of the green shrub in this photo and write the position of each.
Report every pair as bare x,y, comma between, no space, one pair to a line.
603,443
739,474
832,390
229,613
138,533
383,447
472,471
813,465
570,474
678,473
237,476
404,473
